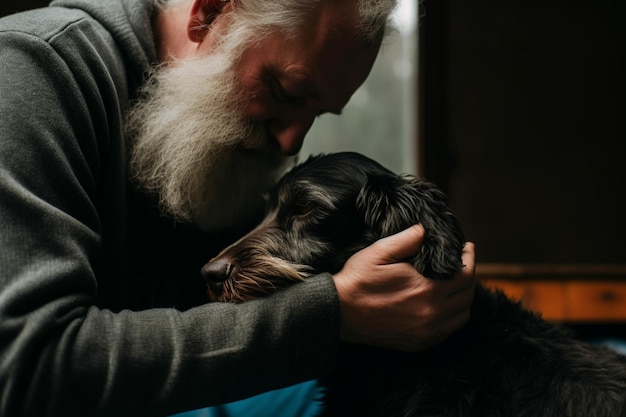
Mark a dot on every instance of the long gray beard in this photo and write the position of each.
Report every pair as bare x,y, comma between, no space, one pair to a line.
191,147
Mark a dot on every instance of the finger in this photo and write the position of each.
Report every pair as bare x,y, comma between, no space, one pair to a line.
468,257
402,245
464,280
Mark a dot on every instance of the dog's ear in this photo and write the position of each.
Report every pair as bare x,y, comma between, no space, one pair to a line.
390,204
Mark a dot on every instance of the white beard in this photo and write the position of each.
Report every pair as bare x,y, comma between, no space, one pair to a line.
192,148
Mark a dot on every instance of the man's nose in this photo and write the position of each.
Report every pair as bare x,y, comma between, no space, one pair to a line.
290,132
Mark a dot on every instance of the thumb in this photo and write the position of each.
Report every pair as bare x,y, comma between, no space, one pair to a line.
402,245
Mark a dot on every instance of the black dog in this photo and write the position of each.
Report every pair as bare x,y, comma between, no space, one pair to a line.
506,361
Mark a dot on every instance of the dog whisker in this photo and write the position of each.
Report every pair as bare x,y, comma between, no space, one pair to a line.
266,276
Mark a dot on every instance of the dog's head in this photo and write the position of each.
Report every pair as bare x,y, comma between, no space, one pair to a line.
323,211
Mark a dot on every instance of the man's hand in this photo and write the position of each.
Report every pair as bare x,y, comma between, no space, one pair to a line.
385,302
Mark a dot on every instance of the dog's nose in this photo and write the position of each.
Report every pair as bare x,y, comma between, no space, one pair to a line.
216,271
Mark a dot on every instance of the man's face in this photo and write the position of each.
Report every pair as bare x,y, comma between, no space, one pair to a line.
213,131
289,81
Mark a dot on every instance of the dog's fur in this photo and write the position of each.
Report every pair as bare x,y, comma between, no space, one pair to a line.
506,361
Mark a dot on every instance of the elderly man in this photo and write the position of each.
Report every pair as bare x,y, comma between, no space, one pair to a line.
136,140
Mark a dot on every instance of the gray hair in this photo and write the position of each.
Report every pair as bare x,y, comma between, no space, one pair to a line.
291,16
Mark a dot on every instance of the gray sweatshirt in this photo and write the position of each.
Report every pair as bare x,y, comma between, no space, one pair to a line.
101,302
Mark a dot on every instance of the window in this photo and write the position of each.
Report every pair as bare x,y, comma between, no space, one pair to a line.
379,121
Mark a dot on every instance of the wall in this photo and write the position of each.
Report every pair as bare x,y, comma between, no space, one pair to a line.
523,125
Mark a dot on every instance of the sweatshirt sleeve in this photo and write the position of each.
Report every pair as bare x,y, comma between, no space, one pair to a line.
59,354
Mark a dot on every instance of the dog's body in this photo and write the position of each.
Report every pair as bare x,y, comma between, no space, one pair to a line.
506,361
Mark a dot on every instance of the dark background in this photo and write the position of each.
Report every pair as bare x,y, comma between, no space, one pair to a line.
523,109
12,6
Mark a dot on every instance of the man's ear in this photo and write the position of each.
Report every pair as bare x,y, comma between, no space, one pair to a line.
202,15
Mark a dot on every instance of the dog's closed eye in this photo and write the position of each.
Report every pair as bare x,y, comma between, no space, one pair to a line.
302,207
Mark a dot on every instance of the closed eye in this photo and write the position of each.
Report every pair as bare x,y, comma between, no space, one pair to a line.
303,207
280,93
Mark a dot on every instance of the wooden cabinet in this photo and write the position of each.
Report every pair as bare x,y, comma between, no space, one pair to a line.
567,293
